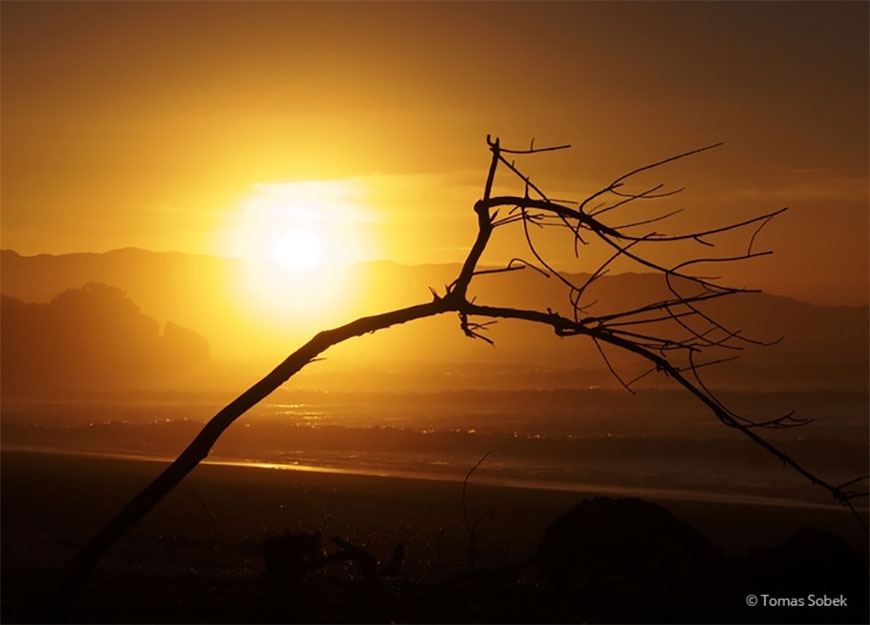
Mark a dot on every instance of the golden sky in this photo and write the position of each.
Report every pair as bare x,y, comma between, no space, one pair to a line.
165,125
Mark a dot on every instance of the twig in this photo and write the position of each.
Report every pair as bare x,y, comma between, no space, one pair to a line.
468,527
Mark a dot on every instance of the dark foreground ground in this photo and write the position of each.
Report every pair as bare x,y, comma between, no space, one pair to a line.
199,556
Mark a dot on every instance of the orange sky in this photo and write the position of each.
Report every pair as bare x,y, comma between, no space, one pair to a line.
152,124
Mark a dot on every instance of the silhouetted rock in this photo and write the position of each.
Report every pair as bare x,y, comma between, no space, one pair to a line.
628,560
805,580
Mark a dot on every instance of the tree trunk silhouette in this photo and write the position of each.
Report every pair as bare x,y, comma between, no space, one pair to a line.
661,332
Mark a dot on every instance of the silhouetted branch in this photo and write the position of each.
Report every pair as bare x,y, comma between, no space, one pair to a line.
74,575
610,367
468,526
566,327
661,328
534,150
515,264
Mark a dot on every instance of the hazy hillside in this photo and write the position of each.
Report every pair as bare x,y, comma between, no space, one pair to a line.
824,347
91,338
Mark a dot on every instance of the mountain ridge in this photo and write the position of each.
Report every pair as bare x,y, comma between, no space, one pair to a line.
11,255
825,346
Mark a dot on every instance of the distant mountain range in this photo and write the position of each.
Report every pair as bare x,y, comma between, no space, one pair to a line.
824,347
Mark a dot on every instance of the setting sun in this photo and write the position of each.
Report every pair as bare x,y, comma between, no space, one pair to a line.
296,237
298,250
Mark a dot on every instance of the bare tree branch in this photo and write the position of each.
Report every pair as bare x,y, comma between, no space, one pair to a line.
661,333
566,327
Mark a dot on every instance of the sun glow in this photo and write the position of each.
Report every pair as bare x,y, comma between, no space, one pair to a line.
297,237
300,225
